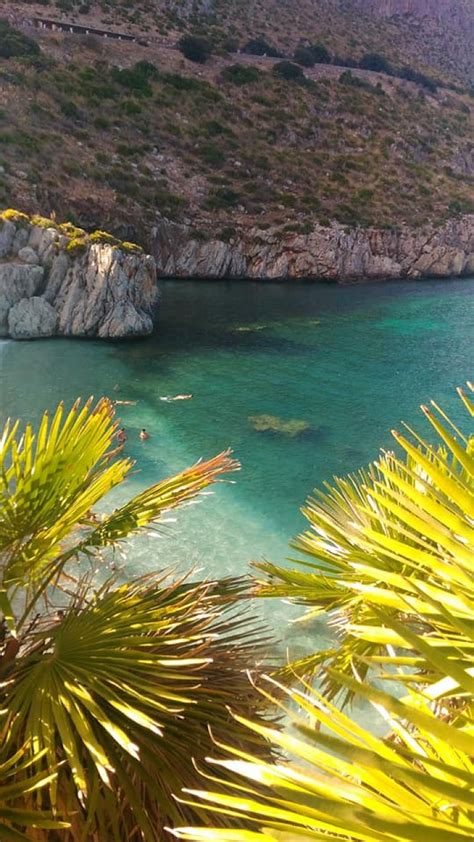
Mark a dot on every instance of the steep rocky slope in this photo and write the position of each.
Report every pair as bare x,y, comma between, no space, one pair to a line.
53,285
244,166
334,254
118,135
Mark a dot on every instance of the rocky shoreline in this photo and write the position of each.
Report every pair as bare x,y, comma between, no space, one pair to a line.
54,285
48,288
331,253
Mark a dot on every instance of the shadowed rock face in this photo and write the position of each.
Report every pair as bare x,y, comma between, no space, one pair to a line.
103,292
335,253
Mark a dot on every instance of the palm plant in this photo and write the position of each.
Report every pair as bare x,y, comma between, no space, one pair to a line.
15,786
342,782
390,558
394,558
112,684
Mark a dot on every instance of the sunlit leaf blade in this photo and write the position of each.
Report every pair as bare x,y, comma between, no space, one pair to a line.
393,541
110,683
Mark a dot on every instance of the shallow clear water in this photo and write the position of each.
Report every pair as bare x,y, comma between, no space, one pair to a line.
350,361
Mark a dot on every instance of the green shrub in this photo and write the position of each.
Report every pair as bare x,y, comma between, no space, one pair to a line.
70,109
320,54
131,247
14,43
419,78
137,78
240,74
375,62
212,155
71,230
103,237
101,122
304,56
76,246
227,233
288,71
213,127
260,47
169,203
223,197
43,221
461,206
130,107
195,48
15,216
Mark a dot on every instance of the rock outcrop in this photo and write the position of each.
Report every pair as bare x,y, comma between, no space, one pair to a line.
99,290
326,253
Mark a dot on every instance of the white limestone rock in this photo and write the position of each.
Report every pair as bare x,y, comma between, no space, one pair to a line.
7,235
102,291
17,281
28,255
32,318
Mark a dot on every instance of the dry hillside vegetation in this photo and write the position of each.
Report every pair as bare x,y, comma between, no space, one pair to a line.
439,43
117,135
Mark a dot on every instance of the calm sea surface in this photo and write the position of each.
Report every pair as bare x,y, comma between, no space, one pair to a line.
352,362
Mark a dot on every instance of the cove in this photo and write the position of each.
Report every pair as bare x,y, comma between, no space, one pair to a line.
352,362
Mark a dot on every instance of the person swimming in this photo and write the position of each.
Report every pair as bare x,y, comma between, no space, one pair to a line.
124,403
144,435
176,398
121,435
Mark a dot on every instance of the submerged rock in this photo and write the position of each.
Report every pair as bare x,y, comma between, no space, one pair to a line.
272,423
47,289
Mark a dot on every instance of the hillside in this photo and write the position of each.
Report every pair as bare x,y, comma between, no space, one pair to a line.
431,35
443,31
120,134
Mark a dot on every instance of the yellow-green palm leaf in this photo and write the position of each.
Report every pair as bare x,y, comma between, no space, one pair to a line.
20,784
343,783
49,482
124,687
394,541
113,688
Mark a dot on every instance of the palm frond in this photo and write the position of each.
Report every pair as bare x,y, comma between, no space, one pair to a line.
395,541
342,782
123,687
50,481
19,785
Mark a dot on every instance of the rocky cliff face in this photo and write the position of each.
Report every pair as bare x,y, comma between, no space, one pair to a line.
46,290
333,254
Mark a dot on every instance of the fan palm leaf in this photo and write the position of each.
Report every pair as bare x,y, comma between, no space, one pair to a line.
124,685
393,541
112,689
17,784
341,781
50,481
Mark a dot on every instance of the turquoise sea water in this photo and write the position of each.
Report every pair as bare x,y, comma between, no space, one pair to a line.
353,362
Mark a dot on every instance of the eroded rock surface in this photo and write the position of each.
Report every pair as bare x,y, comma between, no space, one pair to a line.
103,291
330,253
32,318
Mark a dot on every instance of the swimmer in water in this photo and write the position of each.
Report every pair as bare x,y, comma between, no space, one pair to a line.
124,403
144,435
121,436
176,398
